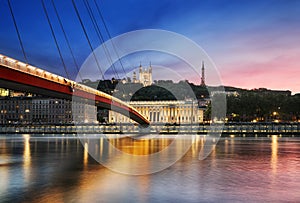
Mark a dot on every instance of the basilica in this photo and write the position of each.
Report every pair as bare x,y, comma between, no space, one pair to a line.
145,76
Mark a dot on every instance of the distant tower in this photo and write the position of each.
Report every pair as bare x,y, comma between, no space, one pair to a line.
134,80
141,68
150,69
203,75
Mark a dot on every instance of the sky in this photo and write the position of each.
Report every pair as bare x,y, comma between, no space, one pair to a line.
253,44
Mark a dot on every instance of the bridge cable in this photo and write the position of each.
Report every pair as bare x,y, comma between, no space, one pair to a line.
54,37
100,36
18,33
112,43
109,35
66,38
87,37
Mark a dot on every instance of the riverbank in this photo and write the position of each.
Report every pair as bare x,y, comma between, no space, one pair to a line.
229,129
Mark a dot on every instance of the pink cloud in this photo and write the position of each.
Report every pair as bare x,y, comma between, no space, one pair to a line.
280,72
266,60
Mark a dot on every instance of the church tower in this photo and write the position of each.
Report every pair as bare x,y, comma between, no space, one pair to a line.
203,75
145,76
150,69
134,80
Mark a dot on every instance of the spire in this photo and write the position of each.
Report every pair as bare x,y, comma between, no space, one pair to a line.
203,75
150,68
141,69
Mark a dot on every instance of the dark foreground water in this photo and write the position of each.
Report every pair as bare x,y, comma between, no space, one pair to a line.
238,169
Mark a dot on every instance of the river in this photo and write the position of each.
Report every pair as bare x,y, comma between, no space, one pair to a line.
58,168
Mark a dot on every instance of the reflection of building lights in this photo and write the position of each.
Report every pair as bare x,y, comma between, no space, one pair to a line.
26,157
85,154
232,136
274,153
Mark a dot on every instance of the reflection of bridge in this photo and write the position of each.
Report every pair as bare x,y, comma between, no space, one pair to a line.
23,77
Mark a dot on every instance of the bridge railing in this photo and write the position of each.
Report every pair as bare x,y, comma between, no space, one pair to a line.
32,70
29,69
37,72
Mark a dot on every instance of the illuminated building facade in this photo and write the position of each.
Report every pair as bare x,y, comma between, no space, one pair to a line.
185,112
145,76
39,110
15,110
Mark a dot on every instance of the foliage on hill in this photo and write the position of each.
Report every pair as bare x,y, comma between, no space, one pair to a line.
263,106
245,105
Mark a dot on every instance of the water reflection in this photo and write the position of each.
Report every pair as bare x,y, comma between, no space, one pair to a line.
26,159
226,146
85,154
232,145
237,169
274,155
101,146
195,147
137,156
4,169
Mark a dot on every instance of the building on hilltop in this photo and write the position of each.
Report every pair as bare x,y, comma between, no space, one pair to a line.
145,76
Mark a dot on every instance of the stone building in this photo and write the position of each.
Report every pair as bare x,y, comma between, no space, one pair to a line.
145,76
15,110
180,112
41,110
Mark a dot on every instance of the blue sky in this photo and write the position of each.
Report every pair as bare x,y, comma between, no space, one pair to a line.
253,43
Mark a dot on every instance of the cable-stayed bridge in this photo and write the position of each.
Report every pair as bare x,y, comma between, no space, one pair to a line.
20,76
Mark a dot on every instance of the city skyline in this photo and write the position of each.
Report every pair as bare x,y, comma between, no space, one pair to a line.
253,44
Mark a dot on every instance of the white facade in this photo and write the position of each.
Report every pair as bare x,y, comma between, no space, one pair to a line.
185,112
145,76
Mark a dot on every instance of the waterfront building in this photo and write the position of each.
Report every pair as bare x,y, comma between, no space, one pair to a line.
41,110
4,92
46,110
180,112
15,110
